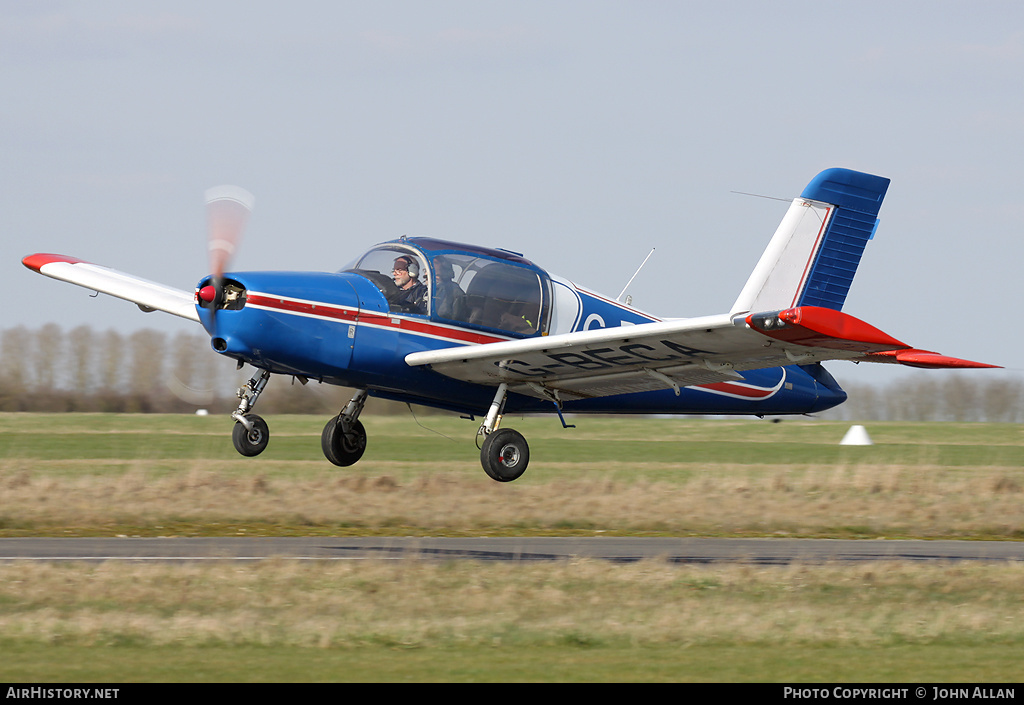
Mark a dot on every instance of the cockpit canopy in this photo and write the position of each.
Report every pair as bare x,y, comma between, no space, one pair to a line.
462,284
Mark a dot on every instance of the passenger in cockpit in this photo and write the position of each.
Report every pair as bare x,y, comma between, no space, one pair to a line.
446,291
516,319
412,293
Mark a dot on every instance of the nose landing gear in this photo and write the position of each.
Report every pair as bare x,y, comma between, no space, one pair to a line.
251,433
343,440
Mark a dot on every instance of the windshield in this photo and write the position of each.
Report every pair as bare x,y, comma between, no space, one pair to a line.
464,288
400,275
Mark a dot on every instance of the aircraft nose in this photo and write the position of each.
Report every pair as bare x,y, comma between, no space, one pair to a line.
301,323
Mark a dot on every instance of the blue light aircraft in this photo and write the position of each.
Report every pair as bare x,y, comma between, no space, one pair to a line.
487,332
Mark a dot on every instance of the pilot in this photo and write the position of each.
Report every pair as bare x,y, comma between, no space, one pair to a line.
412,293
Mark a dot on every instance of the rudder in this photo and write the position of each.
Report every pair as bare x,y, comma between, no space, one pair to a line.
813,256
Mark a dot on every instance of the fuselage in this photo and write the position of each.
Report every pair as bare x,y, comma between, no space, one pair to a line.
348,328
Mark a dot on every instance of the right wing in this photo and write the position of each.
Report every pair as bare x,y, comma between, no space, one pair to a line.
673,354
147,295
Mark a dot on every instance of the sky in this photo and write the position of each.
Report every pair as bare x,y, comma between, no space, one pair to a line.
580,133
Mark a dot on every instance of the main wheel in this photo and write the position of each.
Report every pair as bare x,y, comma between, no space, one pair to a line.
342,446
504,455
254,442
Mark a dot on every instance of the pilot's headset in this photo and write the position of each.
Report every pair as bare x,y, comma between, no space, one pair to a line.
411,265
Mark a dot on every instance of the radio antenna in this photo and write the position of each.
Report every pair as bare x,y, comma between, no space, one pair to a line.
619,297
758,195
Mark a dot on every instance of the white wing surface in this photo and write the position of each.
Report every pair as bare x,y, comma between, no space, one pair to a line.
149,296
673,354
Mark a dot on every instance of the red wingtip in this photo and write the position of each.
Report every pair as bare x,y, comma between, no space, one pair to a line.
37,261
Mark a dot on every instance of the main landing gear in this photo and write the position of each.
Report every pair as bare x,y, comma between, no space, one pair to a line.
344,438
504,453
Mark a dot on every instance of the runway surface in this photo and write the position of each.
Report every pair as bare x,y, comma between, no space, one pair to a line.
680,550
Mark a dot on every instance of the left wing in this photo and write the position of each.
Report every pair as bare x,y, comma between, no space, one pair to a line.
149,296
673,354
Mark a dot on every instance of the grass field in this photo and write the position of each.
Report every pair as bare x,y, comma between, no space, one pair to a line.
67,475
78,475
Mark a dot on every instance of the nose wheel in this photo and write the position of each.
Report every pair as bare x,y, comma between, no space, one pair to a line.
251,440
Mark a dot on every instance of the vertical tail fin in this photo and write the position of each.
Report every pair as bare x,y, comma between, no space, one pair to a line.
815,252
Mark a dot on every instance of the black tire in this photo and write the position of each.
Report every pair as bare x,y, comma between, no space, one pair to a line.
505,455
254,442
343,447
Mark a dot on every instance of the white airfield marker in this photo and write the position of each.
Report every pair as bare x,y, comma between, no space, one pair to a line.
856,436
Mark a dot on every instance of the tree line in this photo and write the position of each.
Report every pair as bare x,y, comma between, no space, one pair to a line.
936,396
53,370
50,369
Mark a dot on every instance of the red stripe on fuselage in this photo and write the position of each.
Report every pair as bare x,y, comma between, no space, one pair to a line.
347,314
307,308
741,391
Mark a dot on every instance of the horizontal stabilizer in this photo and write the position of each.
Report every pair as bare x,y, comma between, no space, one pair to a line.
825,328
926,360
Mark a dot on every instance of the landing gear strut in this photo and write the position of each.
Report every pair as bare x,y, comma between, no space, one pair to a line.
251,433
344,438
504,453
